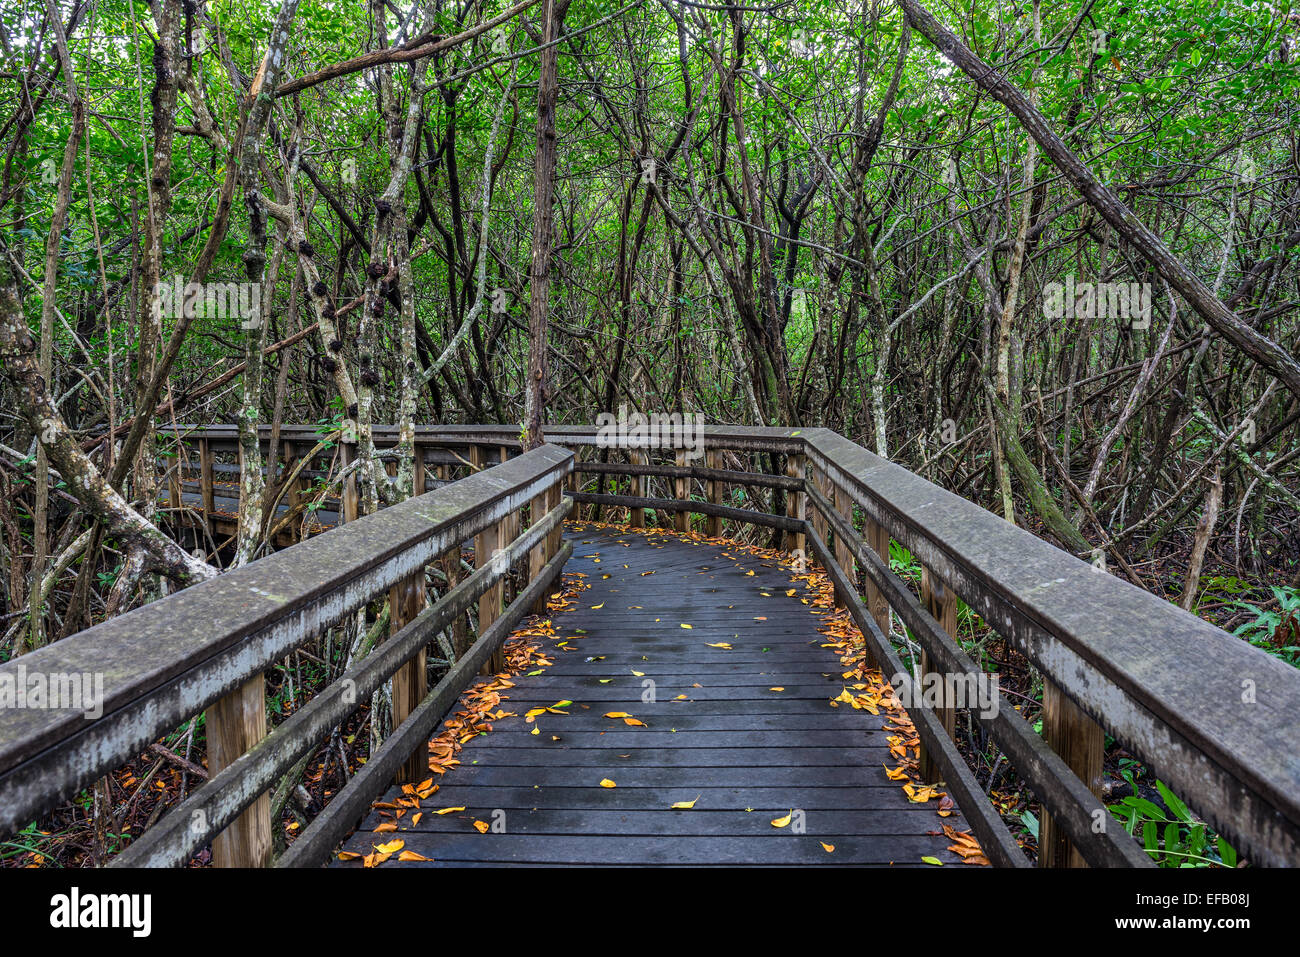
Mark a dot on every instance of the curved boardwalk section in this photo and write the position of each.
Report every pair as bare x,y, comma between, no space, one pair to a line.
732,715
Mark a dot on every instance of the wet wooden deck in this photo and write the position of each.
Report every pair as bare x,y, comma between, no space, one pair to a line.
747,732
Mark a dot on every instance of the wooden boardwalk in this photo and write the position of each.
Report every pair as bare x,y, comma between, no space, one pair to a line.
747,732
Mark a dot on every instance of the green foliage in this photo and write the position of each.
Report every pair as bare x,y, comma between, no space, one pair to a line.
1277,631
1173,838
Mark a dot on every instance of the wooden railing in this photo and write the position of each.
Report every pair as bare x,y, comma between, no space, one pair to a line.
1210,715
207,647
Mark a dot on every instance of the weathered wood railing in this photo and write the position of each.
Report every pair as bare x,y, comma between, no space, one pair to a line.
207,647
1210,715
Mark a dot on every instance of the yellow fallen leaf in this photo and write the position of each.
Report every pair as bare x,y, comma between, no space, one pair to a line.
634,722
392,847
783,821
639,674
778,688
449,810
607,783
482,826
536,729
719,644
617,714
686,626
415,818
829,848
385,827
412,856
348,855
598,607
686,805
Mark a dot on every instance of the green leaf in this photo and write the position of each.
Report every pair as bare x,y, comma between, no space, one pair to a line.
1174,804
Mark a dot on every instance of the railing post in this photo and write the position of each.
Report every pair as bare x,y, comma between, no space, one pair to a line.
819,523
941,603
233,725
1081,742
293,494
174,482
681,492
207,494
636,516
713,491
542,551
877,538
843,557
796,501
449,561
349,498
486,544
417,464
406,601
510,526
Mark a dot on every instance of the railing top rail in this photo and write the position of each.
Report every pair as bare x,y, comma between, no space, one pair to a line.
753,438
163,643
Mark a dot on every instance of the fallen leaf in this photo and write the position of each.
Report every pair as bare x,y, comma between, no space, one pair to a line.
482,826
449,810
686,805
829,848
392,847
607,783
686,626
783,821
932,860
412,856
